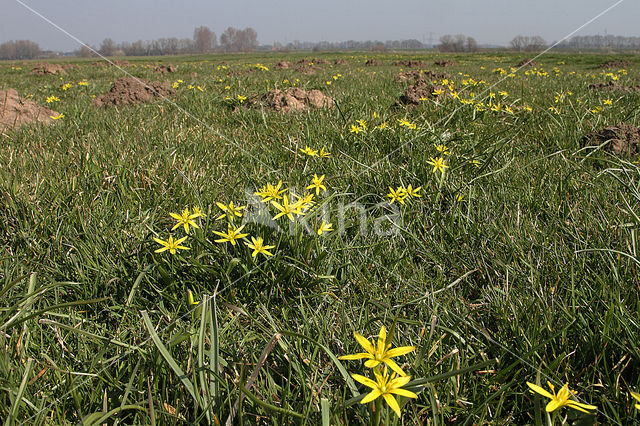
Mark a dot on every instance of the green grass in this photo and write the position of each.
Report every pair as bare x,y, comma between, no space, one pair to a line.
533,277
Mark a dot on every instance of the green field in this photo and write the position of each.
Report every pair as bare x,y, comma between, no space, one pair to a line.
515,262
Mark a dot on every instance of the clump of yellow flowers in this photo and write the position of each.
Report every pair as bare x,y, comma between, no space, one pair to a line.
386,385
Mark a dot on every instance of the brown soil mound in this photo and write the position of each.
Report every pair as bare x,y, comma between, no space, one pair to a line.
444,63
129,90
16,111
320,61
47,68
308,69
292,100
422,89
616,64
622,139
410,64
340,62
164,69
108,64
282,65
613,85
419,75
373,63
527,62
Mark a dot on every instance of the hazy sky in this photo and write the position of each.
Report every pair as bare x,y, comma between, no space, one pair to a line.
489,21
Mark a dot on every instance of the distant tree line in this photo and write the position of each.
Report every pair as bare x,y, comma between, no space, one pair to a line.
528,43
375,45
457,43
600,42
19,49
204,41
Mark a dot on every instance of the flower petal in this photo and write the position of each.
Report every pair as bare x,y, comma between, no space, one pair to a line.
553,405
354,356
364,343
538,389
404,392
371,396
580,406
395,367
399,382
400,351
365,381
372,363
392,403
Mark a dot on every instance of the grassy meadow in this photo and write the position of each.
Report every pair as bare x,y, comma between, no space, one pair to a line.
516,261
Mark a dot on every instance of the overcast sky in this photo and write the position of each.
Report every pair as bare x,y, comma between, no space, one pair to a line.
489,21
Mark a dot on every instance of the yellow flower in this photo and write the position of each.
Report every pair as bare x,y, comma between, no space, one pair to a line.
185,219
383,125
442,149
355,129
285,208
325,227
175,84
317,184
323,153
231,235
437,92
413,193
503,93
170,245
460,198
560,399
385,385
52,99
66,86
607,102
398,195
197,212
242,98
362,124
636,396
438,164
270,192
380,353
190,298
57,117
310,152
231,210
83,83
258,247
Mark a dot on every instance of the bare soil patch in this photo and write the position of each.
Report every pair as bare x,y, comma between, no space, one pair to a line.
409,63
283,65
527,62
291,100
16,111
108,64
373,63
419,91
622,139
164,69
129,90
613,85
419,75
340,62
444,63
48,69
621,63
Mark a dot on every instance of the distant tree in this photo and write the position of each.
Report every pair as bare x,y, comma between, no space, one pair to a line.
107,47
528,43
84,52
204,40
457,43
234,40
20,49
